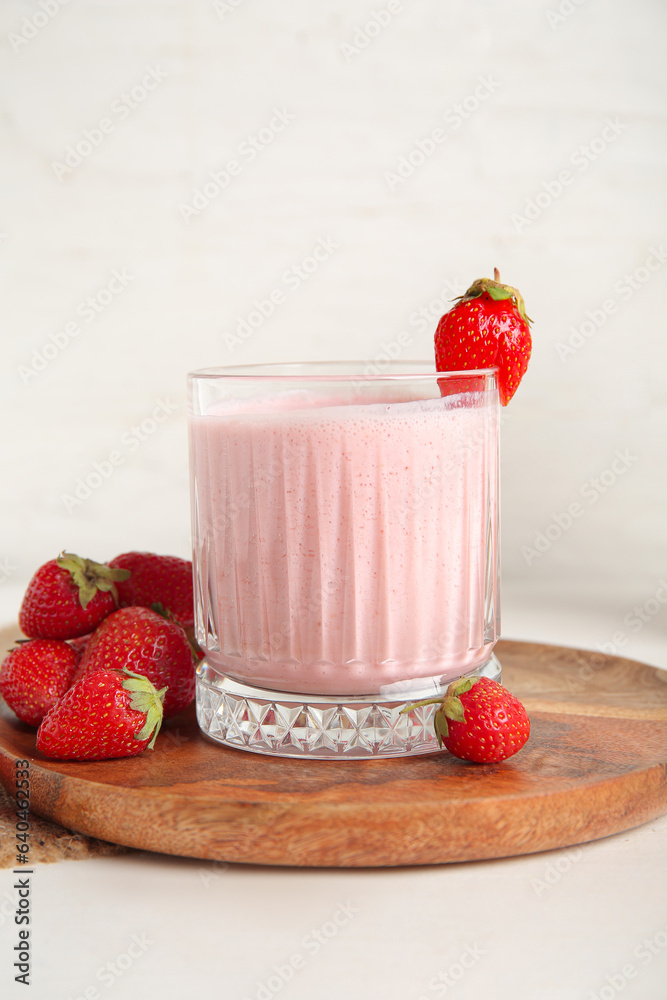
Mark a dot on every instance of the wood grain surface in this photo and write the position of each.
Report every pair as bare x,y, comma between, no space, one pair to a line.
595,764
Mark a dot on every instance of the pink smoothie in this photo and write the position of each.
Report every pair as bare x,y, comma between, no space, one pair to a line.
346,547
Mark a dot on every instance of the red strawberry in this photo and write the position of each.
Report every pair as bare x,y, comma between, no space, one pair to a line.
35,676
189,630
479,720
154,579
68,597
106,714
487,327
148,644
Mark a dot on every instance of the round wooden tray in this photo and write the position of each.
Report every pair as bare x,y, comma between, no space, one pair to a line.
595,764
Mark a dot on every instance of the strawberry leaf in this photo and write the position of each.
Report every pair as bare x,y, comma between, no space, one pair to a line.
145,698
160,609
500,292
90,576
441,727
452,708
464,684
497,291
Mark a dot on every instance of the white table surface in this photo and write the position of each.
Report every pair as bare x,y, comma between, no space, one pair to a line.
552,926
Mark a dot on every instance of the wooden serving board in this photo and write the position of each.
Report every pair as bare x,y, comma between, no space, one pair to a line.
595,764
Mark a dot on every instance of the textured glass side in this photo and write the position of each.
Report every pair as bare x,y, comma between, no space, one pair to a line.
250,719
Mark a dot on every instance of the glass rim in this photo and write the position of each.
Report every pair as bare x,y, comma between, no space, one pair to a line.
312,371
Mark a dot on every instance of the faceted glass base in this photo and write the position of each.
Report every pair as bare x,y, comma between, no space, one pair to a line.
320,727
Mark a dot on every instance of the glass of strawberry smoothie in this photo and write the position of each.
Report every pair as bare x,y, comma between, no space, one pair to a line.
345,537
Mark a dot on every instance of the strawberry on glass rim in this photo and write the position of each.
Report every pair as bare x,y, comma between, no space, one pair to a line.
487,327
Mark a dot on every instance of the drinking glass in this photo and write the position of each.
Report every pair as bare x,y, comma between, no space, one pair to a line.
345,540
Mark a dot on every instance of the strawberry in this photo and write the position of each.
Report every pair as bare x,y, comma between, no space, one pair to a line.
154,579
487,327
35,676
149,644
479,720
110,713
68,597
189,630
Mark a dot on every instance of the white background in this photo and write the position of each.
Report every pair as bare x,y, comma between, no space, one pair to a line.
549,84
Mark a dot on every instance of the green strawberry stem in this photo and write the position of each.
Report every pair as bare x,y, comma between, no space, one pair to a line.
497,291
421,704
451,706
90,577
145,698
159,609
448,699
